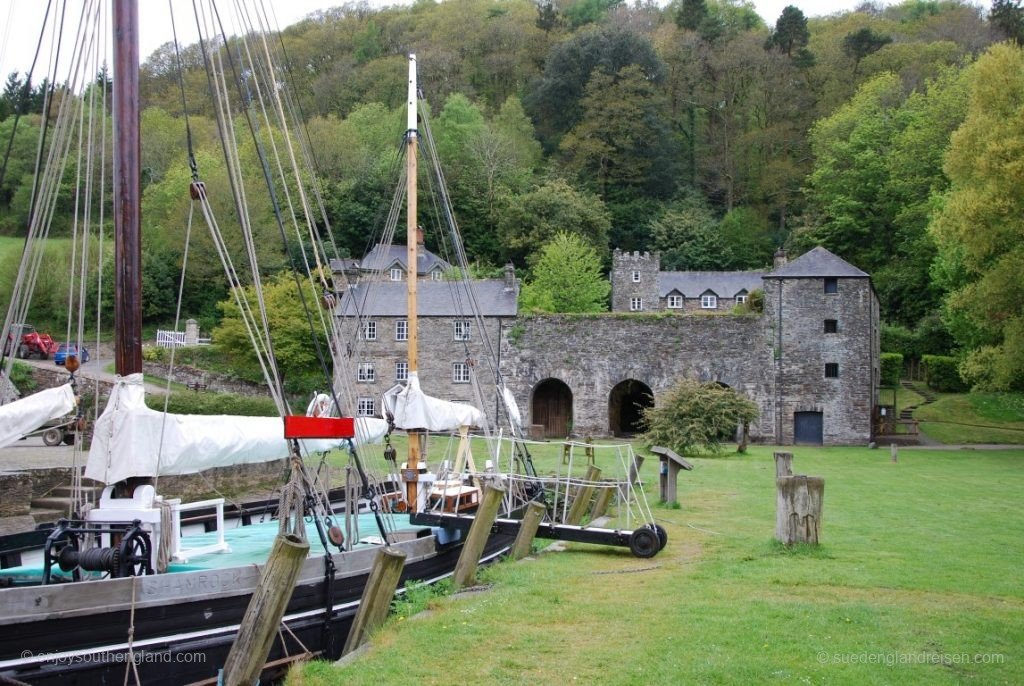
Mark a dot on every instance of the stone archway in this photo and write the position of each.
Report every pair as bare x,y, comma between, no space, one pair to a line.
626,403
552,408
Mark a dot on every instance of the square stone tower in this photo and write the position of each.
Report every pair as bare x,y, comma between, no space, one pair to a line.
634,278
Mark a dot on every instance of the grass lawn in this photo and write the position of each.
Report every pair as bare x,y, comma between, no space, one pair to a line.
920,567
974,418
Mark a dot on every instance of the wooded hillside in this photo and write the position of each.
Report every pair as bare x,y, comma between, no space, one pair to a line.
892,136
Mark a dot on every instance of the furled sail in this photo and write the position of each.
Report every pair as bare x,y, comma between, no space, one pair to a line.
131,440
28,414
414,409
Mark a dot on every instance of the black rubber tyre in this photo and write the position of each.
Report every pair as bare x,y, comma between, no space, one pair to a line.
644,542
52,437
69,439
662,534
23,351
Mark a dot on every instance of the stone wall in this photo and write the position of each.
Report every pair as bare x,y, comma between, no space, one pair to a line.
220,383
592,354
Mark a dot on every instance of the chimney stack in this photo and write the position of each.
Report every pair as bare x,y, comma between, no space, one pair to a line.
780,258
510,277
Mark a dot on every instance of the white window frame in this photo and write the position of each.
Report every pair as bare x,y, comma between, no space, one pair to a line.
636,304
436,275
401,371
461,330
709,302
396,274
460,372
741,298
366,373
370,330
401,329
636,276
365,406
675,302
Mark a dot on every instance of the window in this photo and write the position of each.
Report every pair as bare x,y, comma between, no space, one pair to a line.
461,330
741,297
369,331
402,330
831,326
366,373
636,276
401,371
831,284
460,372
396,274
709,302
636,304
831,370
675,302
436,275
364,407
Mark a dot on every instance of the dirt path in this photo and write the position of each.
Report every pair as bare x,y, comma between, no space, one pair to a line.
95,369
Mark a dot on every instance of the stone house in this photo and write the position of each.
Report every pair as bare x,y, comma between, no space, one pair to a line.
810,360
387,263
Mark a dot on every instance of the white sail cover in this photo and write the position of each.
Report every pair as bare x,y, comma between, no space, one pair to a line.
414,409
127,438
28,414
512,406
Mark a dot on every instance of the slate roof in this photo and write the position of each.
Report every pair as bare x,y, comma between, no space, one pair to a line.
817,263
383,257
694,284
340,265
434,299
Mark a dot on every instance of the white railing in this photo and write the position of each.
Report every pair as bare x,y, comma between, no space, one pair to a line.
182,554
170,339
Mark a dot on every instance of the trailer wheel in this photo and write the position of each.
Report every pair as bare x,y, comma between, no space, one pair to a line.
644,542
69,439
52,437
662,535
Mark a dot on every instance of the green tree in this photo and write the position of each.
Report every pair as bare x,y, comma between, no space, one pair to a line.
694,417
566,277
290,335
687,237
1007,16
790,31
862,43
530,220
980,226
691,14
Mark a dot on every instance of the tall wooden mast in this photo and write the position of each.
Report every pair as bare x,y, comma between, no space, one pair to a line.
127,185
411,259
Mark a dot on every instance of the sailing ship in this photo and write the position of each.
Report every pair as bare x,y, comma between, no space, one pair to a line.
119,592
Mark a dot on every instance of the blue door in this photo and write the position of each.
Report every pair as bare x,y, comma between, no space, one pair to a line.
807,428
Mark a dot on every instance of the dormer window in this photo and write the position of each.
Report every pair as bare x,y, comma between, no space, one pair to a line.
831,284
396,274
708,302
741,297
636,276
436,275
675,302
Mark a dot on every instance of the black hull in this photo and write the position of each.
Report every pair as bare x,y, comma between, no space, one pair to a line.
188,640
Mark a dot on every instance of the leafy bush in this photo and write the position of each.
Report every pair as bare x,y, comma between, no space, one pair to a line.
892,368
929,337
694,416
188,402
21,377
942,374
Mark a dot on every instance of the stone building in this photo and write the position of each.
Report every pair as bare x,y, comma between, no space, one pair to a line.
810,360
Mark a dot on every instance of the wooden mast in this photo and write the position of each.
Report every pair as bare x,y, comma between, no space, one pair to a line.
127,185
411,239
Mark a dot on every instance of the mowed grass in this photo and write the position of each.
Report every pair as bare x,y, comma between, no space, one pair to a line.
920,567
974,418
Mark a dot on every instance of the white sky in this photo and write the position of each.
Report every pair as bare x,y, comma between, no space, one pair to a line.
22,19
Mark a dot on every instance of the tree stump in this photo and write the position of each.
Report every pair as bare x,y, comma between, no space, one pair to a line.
798,508
783,464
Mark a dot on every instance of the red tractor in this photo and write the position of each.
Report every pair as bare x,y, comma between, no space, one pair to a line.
29,342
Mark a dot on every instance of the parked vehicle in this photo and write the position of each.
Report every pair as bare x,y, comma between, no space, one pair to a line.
66,349
26,341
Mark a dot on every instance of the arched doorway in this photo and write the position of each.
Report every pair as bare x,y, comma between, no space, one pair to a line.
552,407
626,405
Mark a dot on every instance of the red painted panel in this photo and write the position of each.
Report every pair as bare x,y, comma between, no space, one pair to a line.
300,426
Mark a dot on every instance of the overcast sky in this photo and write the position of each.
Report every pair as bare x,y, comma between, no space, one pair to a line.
23,18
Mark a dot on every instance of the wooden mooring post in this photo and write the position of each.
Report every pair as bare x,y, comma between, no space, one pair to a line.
798,508
523,544
476,539
262,618
783,464
377,594
894,452
581,503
